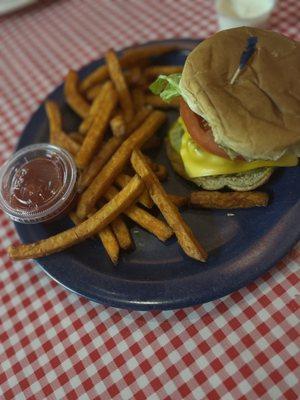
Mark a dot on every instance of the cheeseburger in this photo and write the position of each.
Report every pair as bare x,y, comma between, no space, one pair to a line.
239,109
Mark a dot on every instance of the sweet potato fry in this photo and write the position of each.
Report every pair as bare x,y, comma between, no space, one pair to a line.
122,233
86,229
98,76
54,118
123,129
118,79
129,58
207,199
96,132
63,140
122,180
157,102
107,237
116,163
110,243
138,98
153,225
109,148
93,91
183,232
73,96
160,170
145,199
138,119
179,201
132,56
118,126
76,137
154,71
97,163
96,107
133,76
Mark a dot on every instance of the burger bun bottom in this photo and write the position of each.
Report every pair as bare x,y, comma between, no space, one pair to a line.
244,181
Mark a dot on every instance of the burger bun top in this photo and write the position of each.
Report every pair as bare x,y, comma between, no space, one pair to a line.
258,116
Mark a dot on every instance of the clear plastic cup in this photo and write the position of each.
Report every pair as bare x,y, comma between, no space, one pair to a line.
37,183
235,13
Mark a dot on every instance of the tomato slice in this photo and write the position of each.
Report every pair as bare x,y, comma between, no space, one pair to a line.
200,131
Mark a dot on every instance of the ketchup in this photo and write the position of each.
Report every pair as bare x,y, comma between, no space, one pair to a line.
36,183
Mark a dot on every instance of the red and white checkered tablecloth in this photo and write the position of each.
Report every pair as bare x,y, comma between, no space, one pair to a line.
56,345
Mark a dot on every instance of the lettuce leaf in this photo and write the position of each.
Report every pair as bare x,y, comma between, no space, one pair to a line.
167,86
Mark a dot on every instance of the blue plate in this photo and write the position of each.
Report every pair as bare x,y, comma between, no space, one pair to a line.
158,275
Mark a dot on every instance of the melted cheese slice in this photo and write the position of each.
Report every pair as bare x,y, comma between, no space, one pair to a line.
198,162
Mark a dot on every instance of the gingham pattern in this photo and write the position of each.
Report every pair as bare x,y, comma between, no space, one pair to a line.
55,345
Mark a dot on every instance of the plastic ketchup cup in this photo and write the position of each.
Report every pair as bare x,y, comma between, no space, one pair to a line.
37,183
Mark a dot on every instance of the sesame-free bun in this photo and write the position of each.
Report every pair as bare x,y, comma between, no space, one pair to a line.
258,116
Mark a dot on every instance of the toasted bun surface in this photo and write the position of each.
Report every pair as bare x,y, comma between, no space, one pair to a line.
259,115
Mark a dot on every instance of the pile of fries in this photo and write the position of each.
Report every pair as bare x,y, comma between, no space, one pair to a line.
119,121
